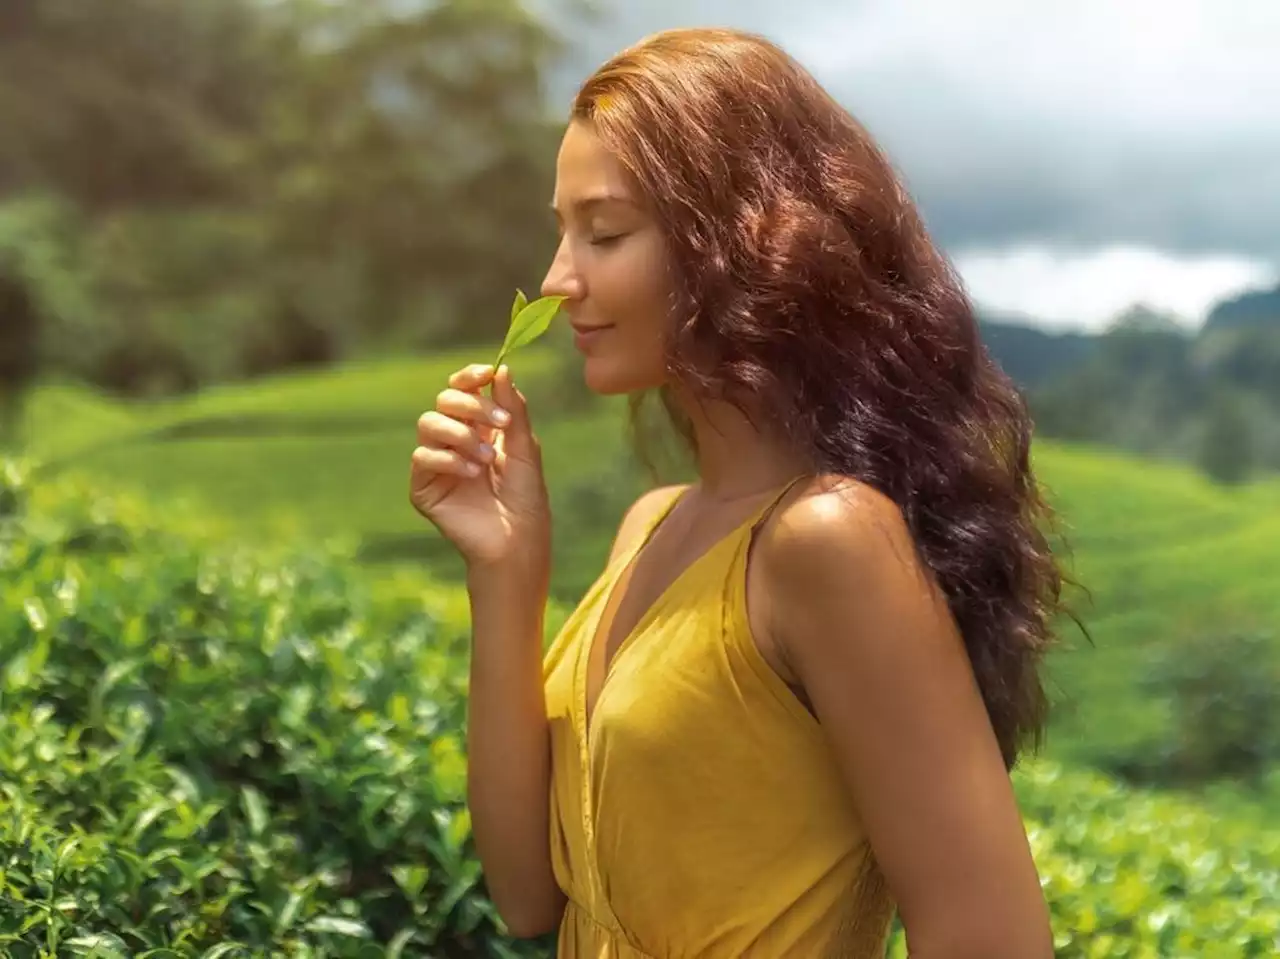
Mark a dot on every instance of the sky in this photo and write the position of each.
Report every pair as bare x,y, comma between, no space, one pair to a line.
1072,159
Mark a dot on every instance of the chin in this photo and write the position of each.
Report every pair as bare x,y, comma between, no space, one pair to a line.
613,376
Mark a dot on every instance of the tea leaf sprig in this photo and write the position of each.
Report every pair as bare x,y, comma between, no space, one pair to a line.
528,322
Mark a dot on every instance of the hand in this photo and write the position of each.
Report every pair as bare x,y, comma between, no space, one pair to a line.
479,479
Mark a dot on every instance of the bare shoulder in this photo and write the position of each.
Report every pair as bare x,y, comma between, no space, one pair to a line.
839,563
641,513
839,523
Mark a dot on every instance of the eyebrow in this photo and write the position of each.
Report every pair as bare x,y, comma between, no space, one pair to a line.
587,202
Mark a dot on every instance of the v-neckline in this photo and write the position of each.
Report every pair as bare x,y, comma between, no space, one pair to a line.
625,567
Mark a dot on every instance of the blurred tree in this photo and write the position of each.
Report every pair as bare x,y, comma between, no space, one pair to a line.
255,185
19,342
416,152
1223,693
128,103
1156,387
1226,452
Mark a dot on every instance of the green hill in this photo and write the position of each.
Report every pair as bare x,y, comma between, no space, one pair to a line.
1165,554
326,454
1254,308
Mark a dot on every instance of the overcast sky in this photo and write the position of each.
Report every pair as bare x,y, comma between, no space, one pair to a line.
1071,158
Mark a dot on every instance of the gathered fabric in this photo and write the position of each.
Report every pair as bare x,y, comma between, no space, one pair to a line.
702,814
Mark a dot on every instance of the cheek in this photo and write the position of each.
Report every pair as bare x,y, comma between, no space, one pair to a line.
632,358
631,286
626,288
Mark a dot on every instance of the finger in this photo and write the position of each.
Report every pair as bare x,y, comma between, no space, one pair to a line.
510,399
430,461
517,439
473,377
472,407
436,429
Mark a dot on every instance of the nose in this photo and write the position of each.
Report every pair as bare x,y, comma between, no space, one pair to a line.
562,277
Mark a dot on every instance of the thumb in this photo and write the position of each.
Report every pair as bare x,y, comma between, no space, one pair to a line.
517,436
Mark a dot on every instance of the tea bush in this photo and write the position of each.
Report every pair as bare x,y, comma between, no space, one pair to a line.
207,753
1223,692
1136,875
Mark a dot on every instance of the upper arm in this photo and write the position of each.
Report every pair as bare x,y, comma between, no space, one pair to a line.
869,635
639,515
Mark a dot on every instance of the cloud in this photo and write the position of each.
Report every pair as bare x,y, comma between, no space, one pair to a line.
1137,123
1087,289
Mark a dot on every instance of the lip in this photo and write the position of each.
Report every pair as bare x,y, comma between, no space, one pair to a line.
584,336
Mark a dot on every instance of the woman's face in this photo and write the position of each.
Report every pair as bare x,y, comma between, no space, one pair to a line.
611,264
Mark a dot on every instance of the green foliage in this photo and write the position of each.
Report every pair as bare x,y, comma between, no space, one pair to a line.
1222,690
205,748
321,456
1129,874
282,456
201,746
1226,451
1133,875
1209,397
1164,553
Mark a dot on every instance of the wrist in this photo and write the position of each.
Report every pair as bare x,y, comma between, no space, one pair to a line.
509,583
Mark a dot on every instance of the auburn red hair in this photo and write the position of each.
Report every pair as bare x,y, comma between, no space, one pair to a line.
809,295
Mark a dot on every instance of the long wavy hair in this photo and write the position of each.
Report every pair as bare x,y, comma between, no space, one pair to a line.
809,295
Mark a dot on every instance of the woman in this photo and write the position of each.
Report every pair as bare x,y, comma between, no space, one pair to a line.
722,758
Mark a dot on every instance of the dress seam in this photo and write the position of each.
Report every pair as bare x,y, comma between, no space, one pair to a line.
612,932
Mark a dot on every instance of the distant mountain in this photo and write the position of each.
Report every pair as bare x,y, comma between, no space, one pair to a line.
1251,309
1033,356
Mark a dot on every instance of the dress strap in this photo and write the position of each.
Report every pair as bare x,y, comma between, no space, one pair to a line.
767,510
658,517
751,524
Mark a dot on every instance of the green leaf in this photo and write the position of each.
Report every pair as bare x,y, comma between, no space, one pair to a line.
402,938
339,926
289,913
100,944
255,808
528,322
521,301
411,879
220,950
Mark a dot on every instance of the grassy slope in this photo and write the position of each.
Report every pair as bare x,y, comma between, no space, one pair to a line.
1164,553
322,454
1161,549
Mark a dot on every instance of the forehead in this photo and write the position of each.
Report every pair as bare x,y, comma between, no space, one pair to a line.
586,170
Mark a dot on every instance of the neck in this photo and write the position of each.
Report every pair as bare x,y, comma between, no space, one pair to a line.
736,460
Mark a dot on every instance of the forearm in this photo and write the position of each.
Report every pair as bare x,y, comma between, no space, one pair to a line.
509,774
996,938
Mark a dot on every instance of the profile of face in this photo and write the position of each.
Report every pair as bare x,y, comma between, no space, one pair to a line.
611,265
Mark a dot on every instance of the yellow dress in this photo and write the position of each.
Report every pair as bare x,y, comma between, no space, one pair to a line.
704,815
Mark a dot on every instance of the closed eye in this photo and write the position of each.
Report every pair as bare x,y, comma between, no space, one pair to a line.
606,240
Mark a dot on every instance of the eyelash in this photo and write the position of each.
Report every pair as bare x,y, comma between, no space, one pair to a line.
606,240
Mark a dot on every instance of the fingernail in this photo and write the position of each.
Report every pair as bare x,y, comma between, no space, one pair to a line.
486,450
500,416
473,469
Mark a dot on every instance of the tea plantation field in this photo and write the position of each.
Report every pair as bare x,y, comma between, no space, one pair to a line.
213,750
1169,559
246,657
